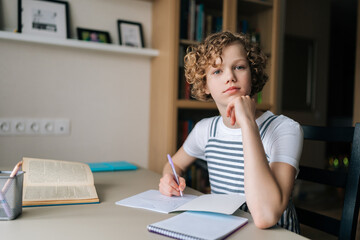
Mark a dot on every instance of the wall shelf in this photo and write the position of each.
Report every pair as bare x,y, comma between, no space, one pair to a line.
73,43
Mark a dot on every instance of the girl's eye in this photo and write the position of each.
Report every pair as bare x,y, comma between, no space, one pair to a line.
239,67
216,72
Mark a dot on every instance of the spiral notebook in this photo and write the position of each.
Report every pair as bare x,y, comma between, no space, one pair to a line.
198,225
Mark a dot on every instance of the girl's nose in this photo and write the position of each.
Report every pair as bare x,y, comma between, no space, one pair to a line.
230,77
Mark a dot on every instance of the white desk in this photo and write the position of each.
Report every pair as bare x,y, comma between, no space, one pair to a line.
107,220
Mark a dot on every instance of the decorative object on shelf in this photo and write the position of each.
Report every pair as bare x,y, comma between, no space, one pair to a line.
92,35
130,34
44,17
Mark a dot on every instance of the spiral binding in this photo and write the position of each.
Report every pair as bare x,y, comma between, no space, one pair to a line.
171,234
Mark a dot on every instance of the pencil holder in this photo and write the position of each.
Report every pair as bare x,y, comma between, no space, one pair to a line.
10,195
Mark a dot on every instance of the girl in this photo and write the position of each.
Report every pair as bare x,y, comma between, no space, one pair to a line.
247,151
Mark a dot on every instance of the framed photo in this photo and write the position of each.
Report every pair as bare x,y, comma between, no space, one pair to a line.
130,34
92,35
44,17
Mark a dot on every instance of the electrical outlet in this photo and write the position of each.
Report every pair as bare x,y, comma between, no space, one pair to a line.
5,126
62,126
32,126
18,126
48,126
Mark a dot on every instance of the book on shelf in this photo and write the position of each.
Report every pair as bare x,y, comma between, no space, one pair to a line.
182,53
184,14
212,24
187,94
195,22
245,27
208,24
200,22
185,127
56,182
184,86
218,23
191,19
197,176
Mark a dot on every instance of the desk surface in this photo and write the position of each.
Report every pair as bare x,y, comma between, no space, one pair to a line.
108,220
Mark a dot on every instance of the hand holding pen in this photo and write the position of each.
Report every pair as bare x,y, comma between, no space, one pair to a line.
171,184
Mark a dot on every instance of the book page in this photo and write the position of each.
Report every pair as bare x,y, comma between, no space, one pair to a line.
43,193
41,172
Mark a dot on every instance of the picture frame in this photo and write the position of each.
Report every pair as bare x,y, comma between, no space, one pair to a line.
44,17
92,35
130,34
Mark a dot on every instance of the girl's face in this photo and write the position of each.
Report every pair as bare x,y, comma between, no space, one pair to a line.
230,78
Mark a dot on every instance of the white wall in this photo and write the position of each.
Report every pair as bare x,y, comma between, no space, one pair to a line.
105,95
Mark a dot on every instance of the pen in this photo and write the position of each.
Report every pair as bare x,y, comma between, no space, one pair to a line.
12,175
5,204
173,169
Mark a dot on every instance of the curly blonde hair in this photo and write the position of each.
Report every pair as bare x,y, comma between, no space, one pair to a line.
199,57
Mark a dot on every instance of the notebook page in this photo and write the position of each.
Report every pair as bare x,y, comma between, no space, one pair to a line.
220,203
153,200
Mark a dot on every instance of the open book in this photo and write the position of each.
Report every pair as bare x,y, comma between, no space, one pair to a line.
153,200
55,182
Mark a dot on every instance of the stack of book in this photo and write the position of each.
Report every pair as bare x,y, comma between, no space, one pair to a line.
196,23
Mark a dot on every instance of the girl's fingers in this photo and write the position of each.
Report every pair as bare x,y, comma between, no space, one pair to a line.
229,109
230,112
182,185
168,190
169,187
233,118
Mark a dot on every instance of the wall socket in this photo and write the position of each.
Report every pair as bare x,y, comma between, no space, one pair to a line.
34,126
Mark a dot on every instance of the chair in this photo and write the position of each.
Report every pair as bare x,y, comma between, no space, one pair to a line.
349,180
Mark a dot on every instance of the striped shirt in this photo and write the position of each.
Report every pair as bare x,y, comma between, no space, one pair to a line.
223,151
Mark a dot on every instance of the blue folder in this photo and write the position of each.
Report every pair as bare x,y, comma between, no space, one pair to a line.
111,166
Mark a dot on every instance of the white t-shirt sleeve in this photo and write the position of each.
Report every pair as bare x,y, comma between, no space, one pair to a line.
286,142
195,143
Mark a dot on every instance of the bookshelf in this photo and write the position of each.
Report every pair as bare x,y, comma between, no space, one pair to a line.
169,107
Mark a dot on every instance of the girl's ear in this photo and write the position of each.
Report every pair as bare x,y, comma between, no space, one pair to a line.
206,89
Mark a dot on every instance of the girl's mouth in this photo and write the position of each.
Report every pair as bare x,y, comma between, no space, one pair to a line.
231,89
